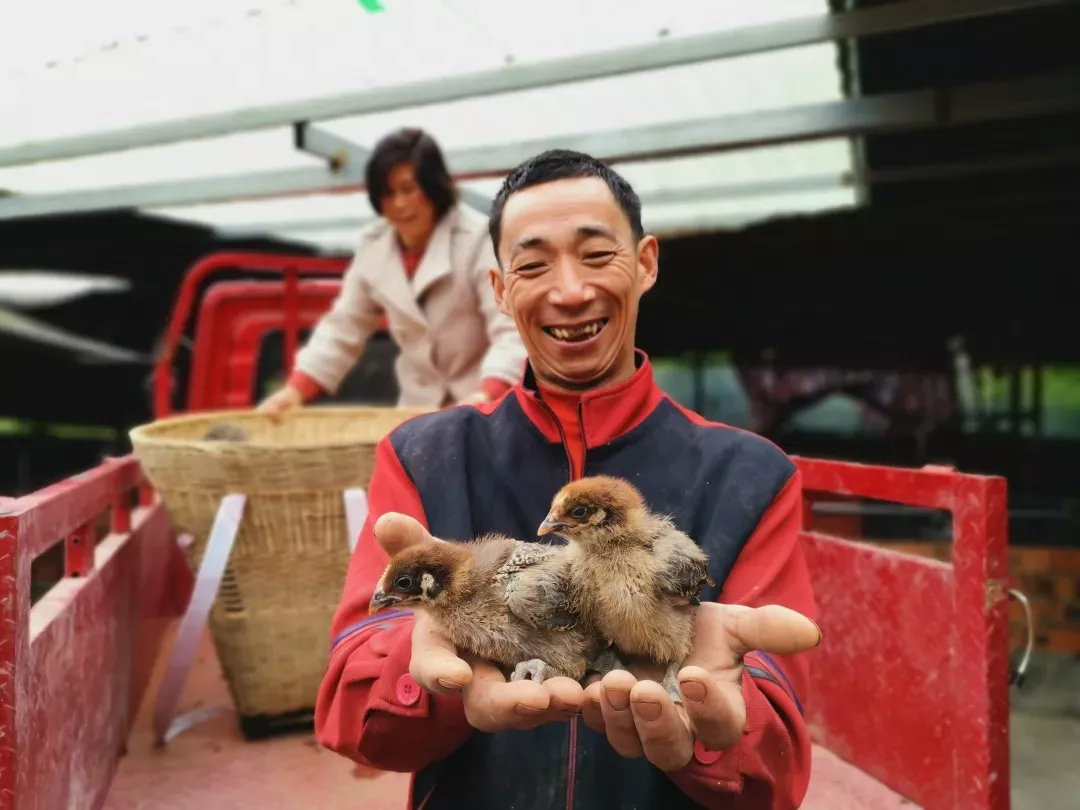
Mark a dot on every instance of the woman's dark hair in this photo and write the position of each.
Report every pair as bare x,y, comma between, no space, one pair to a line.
418,149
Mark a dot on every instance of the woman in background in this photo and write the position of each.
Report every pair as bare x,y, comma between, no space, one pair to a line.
425,263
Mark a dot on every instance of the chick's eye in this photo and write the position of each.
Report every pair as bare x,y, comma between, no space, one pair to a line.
403,583
579,512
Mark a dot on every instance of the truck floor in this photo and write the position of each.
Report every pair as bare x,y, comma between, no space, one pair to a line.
212,767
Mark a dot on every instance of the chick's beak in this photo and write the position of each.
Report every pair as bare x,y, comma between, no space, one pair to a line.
551,523
380,600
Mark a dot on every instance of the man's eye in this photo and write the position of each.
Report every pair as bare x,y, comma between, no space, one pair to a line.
599,256
529,268
579,513
403,583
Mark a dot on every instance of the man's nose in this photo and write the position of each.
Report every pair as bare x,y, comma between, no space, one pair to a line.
571,289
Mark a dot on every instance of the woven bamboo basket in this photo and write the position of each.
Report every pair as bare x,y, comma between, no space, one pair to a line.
271,619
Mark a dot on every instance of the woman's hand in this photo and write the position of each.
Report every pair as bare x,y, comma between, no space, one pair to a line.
281,402
479,398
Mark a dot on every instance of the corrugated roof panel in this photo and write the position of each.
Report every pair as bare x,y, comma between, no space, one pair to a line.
229,58
740,85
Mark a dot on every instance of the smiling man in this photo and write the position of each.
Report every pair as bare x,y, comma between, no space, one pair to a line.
574,263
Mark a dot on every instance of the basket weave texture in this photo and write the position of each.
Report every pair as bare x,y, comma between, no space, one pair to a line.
271,619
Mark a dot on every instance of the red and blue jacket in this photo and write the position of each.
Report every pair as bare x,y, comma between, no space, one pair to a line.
466,471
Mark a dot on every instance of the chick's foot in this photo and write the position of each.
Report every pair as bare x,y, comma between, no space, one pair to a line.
671,682
605,662
536,669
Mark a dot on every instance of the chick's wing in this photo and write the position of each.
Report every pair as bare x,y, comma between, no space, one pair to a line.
682,567
537,581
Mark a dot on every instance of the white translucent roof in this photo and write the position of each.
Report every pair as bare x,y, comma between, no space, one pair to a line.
70,68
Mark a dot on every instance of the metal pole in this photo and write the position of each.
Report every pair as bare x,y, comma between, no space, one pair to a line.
653,56
711,192
875,114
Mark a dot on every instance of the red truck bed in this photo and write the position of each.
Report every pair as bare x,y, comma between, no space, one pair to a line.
909,693
909,688
211,767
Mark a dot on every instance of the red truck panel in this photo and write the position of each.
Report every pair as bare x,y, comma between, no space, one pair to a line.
290,268
911,681
73,667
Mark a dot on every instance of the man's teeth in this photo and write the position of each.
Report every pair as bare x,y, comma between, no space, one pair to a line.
576,332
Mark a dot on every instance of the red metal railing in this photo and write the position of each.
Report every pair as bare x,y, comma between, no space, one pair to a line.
910,684
911,681
291,267
74,666
234,318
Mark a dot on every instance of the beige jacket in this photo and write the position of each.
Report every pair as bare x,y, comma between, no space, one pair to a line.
445,321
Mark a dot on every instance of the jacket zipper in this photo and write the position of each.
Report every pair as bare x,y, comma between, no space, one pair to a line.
571,765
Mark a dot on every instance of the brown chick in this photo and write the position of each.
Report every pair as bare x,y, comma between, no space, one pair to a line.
500,599
633,575
224,432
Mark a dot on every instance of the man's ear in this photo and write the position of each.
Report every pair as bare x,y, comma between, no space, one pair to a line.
498,285
648,261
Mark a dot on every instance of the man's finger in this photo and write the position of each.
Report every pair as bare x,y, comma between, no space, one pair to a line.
618,718
493,704
664,735
567,697
591,711
435,664
771,629
715,708
396,532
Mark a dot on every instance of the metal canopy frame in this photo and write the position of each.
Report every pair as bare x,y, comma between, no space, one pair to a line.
976,103
818,182
343,169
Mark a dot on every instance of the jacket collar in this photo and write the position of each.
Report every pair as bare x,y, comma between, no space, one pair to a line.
436,264
605,414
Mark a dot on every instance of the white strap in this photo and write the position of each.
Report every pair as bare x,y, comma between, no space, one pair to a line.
218,549
356,512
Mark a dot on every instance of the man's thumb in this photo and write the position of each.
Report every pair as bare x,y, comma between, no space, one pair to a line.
396,532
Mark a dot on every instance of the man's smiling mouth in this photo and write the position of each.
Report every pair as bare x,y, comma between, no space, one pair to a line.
577,333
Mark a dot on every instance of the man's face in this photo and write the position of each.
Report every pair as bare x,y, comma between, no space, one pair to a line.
572,277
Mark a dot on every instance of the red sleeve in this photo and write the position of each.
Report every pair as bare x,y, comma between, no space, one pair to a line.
369,708
770,766
494,387
308,388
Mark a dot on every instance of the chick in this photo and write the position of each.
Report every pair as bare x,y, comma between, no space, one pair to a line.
225,432
500,599
634,575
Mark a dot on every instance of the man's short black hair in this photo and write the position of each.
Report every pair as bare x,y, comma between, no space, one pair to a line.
563,164
419,150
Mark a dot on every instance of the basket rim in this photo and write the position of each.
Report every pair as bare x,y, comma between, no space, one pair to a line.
144,434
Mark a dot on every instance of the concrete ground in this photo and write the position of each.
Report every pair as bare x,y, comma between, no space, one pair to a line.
1045,735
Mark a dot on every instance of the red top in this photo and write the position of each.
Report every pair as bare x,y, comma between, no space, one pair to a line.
410,258
565,408
370,709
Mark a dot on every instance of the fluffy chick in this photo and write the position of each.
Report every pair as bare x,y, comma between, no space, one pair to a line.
500,599
634,575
